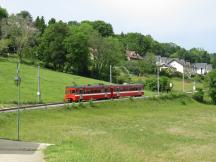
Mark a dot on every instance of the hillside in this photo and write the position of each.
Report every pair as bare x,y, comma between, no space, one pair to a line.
52,83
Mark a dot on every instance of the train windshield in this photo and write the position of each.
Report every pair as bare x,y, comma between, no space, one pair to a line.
70,91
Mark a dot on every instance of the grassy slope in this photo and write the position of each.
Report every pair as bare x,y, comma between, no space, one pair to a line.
141,130
52,83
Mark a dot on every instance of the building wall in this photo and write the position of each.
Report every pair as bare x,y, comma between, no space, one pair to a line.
203,71
178,66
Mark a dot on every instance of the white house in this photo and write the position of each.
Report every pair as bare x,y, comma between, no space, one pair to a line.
178,65
183,66
202,68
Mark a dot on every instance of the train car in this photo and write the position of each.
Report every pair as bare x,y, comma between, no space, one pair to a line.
97,92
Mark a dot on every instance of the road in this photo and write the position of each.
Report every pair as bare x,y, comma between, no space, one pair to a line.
17,151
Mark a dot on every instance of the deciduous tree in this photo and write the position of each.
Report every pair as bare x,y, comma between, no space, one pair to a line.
20,31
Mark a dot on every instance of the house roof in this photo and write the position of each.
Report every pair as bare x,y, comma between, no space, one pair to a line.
133,55
200,65
209,67
162,60
182,62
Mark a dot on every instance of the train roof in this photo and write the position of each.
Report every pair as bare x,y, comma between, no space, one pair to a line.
98,86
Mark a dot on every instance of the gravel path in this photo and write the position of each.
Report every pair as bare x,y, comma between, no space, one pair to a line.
15,151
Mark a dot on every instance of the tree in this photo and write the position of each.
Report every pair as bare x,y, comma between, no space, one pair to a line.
81,39
105,29
3,13
135,42
211,85
52,21
4,45
40,24
52,49
213,60
198,55
20,31
148,64
73,23
109,52
25,15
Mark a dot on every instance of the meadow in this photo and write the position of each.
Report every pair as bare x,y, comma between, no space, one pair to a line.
162,130
52,83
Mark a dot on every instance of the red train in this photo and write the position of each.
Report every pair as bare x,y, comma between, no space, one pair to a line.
97,92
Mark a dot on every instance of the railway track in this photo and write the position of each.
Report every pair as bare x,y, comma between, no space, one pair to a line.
61,104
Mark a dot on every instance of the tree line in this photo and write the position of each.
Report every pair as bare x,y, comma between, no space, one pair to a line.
85,48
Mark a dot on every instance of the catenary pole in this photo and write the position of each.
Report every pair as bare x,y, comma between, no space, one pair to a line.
39,92
183,80
18,80
158,80
110,73
158,75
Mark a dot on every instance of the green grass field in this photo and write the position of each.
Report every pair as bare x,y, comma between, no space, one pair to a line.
140,130
52,83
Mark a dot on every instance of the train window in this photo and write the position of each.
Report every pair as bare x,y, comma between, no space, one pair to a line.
107,90
71,92
81,91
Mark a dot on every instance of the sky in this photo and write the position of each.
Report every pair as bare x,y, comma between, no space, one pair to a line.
188,23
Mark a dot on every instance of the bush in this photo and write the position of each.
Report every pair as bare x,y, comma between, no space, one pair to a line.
167,72
91,103
177,74
151,84
199,95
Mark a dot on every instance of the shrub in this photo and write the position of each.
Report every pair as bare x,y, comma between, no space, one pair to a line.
151,84
91,103
166,72
131,99
81,104
199,95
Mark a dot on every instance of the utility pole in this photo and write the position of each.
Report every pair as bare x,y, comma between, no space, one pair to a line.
110,73
183,81
18,82
158,75
194,86
39,92
158,80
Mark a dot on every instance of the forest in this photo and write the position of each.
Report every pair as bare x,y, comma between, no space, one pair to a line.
85,48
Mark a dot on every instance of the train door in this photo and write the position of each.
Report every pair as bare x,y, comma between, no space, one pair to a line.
118,91
81,94
111,92
105,91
